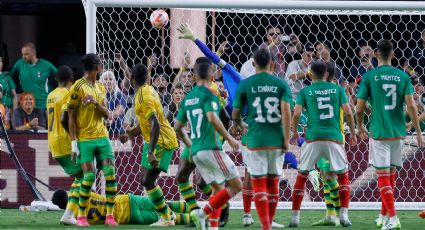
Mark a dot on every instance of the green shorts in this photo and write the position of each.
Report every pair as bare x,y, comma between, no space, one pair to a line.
67,165
186,154
162,155
324,165
99,148
142,210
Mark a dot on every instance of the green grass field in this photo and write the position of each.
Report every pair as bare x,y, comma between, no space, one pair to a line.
14,219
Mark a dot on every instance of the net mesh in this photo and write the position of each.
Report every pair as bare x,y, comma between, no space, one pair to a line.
349,35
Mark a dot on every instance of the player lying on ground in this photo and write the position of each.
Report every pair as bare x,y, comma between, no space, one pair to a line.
323,137
128,209
200,109
391,89
87,112
160,139
60,141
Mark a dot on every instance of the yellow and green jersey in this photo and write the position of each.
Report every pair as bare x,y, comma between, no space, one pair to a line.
90,124
146,104
58,139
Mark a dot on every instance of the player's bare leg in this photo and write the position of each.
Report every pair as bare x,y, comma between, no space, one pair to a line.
247,195
149,177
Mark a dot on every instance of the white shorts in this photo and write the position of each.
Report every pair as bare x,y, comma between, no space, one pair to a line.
332,151
215,166
385,153
245,152
264,162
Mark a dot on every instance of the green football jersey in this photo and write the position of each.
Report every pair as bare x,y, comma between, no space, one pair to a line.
8,85
193,109
322,101
37,79
262,94
390,85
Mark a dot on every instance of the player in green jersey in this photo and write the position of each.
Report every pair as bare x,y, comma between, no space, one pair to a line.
267,99
200,109
391,89
322,101
34,75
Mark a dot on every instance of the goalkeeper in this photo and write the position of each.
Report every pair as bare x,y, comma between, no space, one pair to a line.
128,209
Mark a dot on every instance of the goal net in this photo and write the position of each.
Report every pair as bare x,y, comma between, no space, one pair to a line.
349,36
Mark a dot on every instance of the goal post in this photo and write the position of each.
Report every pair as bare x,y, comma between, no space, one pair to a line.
347,27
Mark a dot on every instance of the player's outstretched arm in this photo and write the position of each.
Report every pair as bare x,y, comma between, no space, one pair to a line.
360,109
219,127
178,126
412,110
285,110
349,118
295,121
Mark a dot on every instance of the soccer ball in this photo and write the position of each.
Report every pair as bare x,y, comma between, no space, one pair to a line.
159,18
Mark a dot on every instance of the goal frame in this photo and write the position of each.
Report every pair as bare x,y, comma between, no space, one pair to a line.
410,7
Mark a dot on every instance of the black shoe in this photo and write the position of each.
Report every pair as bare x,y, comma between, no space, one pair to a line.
224,216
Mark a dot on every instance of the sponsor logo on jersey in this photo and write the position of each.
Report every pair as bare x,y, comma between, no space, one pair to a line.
74,96
38,74
214,105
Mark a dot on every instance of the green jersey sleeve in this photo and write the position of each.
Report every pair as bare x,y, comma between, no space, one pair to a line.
343,97
181,115
363,92
210,104
10,82
286,94
408,90
301,98
239,100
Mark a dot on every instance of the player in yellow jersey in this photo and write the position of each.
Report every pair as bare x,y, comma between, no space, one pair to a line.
128,209
160,139
59,140
87,111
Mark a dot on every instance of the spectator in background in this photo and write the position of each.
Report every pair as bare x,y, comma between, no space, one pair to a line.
294,49
184,77
72,58
34,75
298,70
177,95
274,41
366,61
3,110
125,83
415,63
248,68
323,52
130,120
115,100
9,99
160,83
27,116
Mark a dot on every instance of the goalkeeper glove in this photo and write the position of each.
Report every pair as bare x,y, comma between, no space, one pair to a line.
291,160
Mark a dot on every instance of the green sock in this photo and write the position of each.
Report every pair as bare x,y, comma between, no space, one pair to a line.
207,190
333,187
110,188
182,218
188,194
158,200
85,189
179,206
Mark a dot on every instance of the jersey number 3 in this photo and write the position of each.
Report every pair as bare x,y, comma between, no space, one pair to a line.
390,89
